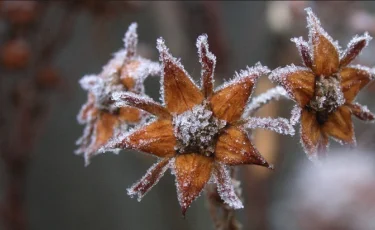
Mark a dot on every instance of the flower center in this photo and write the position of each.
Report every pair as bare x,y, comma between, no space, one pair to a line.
196,130
328,97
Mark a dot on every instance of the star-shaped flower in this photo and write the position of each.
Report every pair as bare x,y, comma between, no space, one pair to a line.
325,88
198,132
125,72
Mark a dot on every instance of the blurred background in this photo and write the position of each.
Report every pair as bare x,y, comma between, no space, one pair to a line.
47,46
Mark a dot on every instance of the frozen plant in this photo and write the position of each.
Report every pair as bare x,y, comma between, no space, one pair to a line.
126,71
198,132
325,88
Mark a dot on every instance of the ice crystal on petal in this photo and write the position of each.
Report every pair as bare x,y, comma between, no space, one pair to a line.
208,62
279,125
366,69
165,56
264,98
278,75
225,187
355,40
197,128
304,50
151,178
255,72
313,23
131,40
328,94
295,115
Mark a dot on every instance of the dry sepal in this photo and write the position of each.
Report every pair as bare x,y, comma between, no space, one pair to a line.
125,72
325,88
198,131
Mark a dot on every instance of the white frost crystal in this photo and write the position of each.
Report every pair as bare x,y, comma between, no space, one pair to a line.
197,128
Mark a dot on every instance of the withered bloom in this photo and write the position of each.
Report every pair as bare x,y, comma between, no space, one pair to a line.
325,88
125,72
198,133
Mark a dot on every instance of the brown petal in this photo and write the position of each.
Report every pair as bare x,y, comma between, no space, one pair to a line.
233,147
304,51
340,126
129,114
353,79
99,133
362,112
141,102
104,129
156,138
88,110
131,40
314,141
126,77
225,187
151,178
324,52
355,46
229,102
208,62
192,173
299,82
180,92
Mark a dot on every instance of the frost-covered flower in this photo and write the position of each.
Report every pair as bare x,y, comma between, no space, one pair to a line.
198,133
125,72
325,88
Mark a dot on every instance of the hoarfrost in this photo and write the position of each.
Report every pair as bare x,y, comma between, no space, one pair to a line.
168,61
354,42
370,71
251,72
362,112
304,50
280,76
197,128
314,26
131,40
208,62
225,187
279,125
264,98
295,115
151,178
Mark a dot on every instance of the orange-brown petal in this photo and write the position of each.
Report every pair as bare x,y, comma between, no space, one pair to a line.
299,82
156,138
233,147
141,102
314,141
353,79
355,46
225,186
304,51
325,54
340,126
208,62
88,110
228,103
129,114
104,129
151,178
179,91
362,112
192,173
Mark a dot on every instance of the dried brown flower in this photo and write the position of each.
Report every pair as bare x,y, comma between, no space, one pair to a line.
198,133
325,89
125,72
